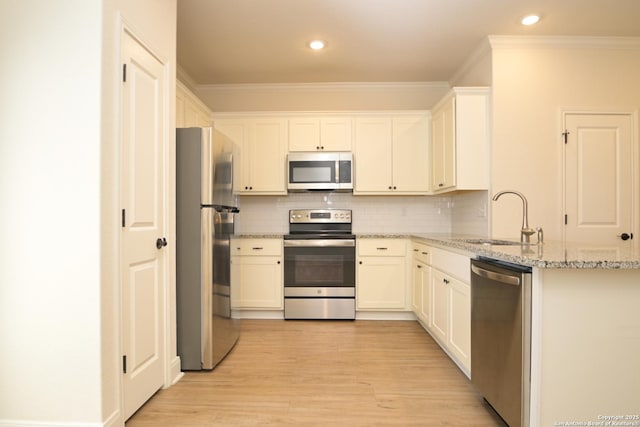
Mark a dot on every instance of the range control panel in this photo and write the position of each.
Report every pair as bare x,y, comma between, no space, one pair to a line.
320,216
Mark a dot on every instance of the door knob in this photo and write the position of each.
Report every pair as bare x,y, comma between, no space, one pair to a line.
626,236
161,242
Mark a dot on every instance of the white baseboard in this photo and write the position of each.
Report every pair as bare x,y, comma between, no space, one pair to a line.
175,374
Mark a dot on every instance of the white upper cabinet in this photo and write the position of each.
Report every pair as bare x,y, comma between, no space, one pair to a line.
391,154
460,135
330,133
263,144
190,111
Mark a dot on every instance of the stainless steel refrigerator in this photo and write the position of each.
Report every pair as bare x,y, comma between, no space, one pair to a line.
205,209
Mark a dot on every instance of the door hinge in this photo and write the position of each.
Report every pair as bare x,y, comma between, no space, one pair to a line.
124,72
124,364
565,134
124,218
566,219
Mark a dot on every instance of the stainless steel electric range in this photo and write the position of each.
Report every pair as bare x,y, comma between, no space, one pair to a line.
319,265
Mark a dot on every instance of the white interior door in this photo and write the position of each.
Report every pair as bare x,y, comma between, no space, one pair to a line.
599,171
143,223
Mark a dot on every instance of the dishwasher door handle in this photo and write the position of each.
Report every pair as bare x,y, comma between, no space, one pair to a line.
499,277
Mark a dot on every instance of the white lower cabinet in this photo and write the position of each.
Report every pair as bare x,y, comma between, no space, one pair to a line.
382,275
256,274
447,294
421,293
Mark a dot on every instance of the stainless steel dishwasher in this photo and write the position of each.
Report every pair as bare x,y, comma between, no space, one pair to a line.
501,337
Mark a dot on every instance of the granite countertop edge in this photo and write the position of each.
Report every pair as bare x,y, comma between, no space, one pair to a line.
552,255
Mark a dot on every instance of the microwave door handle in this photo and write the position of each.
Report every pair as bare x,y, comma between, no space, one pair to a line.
337,177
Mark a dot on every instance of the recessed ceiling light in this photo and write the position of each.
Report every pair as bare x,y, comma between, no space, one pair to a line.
317,44
530,19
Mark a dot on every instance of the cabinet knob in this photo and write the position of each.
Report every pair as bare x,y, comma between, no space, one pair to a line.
441,185
390,188
278,262
394,187
360,263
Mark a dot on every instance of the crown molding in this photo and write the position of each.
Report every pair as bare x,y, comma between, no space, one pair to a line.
563,42
320,87
185,78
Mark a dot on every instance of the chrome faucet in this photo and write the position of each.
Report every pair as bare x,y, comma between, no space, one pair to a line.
526,231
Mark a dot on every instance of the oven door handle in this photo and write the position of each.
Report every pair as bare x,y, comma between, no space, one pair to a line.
322,243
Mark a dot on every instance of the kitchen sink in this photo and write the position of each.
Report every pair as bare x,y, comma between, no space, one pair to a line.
495,242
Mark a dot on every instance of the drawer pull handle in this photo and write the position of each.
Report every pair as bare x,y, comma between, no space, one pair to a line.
257,249
382,249
425,253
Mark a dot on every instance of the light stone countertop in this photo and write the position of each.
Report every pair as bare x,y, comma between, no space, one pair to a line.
551,254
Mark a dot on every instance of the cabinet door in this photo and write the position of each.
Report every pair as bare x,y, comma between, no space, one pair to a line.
263,157
421,291
256,282
439,305
411,160
372,155
459,342
304,134
381,283
336,133
444,146
416,291
425,309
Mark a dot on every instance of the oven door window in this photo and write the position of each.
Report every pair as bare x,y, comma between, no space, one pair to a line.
319,266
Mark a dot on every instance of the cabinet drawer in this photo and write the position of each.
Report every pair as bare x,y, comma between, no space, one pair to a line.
267,247
382,247
451,263
421,252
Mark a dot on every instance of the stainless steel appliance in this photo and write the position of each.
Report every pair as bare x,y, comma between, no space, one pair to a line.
320,171
205,208
501,337
319,265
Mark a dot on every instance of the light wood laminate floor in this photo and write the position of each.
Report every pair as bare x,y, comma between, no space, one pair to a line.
324,373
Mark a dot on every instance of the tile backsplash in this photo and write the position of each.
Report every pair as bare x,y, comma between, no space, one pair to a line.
371,214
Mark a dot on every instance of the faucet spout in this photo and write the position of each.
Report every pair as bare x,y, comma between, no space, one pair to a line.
526,231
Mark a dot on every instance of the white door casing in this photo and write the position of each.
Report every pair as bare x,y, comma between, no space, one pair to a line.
599,177
142,198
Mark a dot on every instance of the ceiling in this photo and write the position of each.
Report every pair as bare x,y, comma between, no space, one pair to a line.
264,41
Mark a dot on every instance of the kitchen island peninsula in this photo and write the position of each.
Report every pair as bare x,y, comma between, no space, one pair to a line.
585,327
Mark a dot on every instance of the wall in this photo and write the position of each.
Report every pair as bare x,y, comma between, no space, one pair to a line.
50,219
322,97
533,80
59,297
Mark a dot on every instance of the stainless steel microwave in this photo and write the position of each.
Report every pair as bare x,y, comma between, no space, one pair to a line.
320,171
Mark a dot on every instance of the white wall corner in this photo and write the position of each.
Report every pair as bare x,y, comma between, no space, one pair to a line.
476,56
